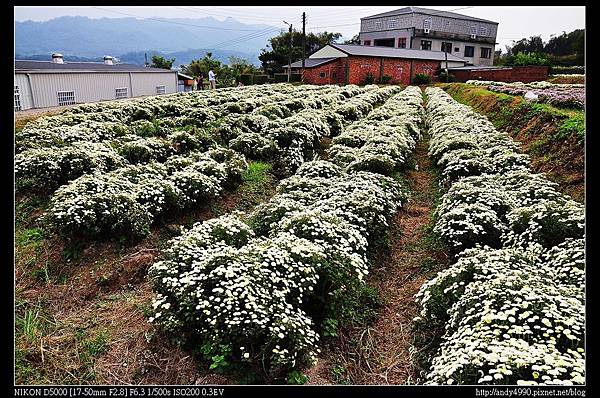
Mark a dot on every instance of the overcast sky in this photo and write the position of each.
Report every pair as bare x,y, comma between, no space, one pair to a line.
514,22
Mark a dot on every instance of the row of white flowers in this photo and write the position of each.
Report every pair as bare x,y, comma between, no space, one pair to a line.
128,199
46,168
382,142
512,304
256,284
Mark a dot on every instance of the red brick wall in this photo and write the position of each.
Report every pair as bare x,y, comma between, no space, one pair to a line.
425,67
399,69
525,74
334,73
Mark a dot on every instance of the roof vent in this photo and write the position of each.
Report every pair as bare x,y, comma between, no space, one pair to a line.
57,58
108,60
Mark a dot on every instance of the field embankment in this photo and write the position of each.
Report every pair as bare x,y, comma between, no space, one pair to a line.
553,137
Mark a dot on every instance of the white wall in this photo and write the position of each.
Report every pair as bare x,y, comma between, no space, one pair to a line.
92,86
328,52
25,93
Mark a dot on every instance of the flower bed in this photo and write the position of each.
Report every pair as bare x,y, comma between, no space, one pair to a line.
560,95
261,288
512,304
93,146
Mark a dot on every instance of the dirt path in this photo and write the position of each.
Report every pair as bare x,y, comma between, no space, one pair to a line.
383,352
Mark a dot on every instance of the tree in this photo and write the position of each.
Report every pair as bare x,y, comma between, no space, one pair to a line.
353,40
161,62
274,59
226,75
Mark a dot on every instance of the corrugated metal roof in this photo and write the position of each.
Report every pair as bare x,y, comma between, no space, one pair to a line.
312,62
22,65
391,52
428,11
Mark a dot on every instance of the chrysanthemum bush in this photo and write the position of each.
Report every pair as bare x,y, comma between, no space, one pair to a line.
173,126
382,142
512,304
260,288
127,200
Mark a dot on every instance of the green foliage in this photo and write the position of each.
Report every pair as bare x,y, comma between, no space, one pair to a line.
217,354
524,59
226,74
330,327
275,56
354,40
566,49
296,377
369,79
573,126
28,236
161,62
385,79
339,375
421,78
257,172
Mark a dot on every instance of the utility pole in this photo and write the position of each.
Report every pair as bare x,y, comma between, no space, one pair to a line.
146,60
446,58
290,54
303,44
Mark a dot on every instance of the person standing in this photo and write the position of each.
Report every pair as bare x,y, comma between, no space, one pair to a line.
212,80
201,81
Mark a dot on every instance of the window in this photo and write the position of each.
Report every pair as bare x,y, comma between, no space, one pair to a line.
473,31
469,51
160,90
378,24
322,74
392,23
425,44
402,42
426,25
333,75
486,52
446,47
367,42
456,49
365,65
483,31
17,99
121,93
66,98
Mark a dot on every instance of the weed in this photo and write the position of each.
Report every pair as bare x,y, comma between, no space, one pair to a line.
339,374
296,377
257,172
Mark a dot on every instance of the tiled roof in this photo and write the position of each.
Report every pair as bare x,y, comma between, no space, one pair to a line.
392,52
311,62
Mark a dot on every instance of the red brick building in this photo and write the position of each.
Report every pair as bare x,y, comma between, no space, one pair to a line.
525,74
351,64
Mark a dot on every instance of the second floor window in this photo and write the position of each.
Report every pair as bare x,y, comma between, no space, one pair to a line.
473,30
378,25
486,52
469,51
427,24
483,31
425,44
446,47
392,23
402,42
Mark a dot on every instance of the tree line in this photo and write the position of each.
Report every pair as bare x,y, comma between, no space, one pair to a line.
566,49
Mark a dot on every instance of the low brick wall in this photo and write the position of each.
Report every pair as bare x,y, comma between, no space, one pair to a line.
525,74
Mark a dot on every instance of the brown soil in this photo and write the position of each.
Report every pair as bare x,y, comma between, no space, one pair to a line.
90,325
384,351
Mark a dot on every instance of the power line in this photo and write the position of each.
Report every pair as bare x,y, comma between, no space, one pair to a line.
173,22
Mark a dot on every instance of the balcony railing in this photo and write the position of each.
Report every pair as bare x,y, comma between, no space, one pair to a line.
454,36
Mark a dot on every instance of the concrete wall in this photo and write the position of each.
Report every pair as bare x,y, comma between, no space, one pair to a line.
93,86
438,23
525,74
436,45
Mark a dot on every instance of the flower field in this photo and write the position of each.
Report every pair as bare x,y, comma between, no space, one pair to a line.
250,234
560,95
512,304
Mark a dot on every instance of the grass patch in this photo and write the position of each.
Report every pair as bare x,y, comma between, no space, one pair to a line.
257,173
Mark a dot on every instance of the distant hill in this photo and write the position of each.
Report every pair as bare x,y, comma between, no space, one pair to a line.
127,37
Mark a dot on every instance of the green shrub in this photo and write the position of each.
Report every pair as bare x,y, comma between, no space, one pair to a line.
421,78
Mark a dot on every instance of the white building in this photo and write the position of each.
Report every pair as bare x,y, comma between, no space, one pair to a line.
41,84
